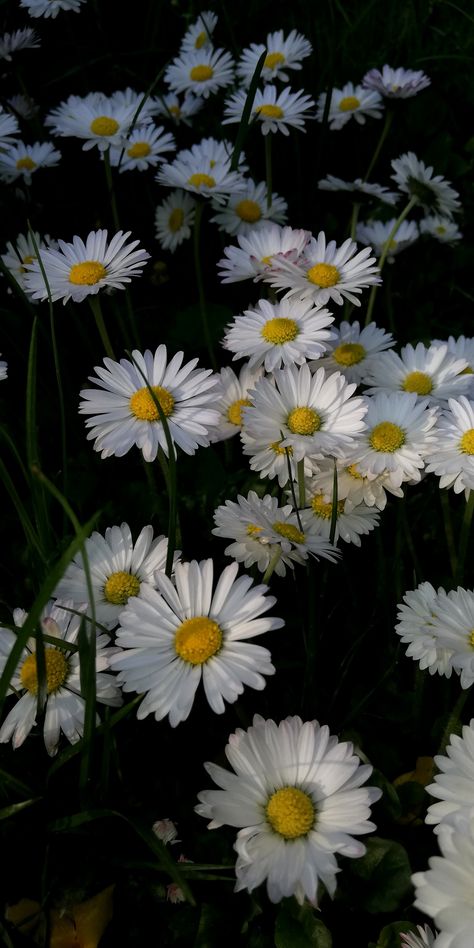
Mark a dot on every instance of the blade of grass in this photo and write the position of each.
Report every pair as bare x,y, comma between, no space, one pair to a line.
245,120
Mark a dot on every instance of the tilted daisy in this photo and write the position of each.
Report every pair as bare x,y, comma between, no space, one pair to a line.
352,520
296,796
376,234
396,83
350,101
352,485
143,149
201,71
452,458
98,119
193,173
415,628
210,152
124,413
22,251
441,228
119,568
173,638
174,218
270,459
453,623
176,109
199,34
429,371
454,781
325,271
3,369
9,128
432,192
65,706
79,269
255,253
364,188
277,111
444,890
352,348
249,210
50,8
21,161
282,53
462,347
424,939
234,398
20,39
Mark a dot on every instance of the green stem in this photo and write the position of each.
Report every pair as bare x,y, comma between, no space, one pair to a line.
454,721
332,530
375,156
272,564
464,537
110,189
449,532
268,168
354,218
95,306
386,250
200,284
301,485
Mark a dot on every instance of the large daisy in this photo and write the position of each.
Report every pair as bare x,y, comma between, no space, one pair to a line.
201,71
431,372
452,459
97,119
352,101
256,252
283,52
432,192
276,111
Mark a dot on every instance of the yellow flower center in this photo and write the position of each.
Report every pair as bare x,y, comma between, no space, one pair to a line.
87,273
234,411
440,230
471,638
176,219
303,421
201,73
27,163
198,180
323,274
29,259
120,586
200,40
104,125
324,510
198,639
280,330
143,406
248,211
418,382
288,531
139,150
352,470
349,353
466,444
273,59
253,530
349,103
387,437
175,110
56,667
270,111
276,447
290,812
267,260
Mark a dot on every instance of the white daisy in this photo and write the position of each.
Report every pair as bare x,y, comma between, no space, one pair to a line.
353,348
441,228
143,148
454,783
199,34
396,83
282,53
255,253
78,269
296,797
277,111
22,252
424,939
209,152
452,459
429,371
124,413
462,347
50,8
21,161
119,568
179,110
174,218
275,334
270,459
444,890
98,119
376,234
3,369
325,271
173,638
453,623
194,173
351,100
235,397
352,520
65,706
20,39
249,210
432,192
415,628
201,71
352,485
378,191
8,128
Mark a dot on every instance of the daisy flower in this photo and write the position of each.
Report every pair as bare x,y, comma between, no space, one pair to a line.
79,269
282,53
255,253
143,148
325,271
173,638
234,398
351,100
119,568
194,173
179,110
296,796
199,35
269,459
441,228
98,119
453,623
22,252
429,371
201,71
444,890
352,520
50,8
210,152
396,83
125,414
462,347
424,939
277,111
20,39
452,459
352,349
8,128
174,218
378,191
376,234
65,706
315,415
249,210
3,369
432,192
275,334
454,782
415,628
21,161
352,485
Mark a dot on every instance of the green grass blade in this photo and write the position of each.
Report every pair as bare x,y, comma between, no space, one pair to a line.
245,120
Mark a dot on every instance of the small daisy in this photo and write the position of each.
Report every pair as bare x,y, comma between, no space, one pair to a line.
22,252
98,119
21,161
275,334
210,152
78,269
201,71
119,568
441,228
463,348
454,782
143,149
453,624
179,110
415,628
23,106
234,398
452,459
396,83
199,35
193,173
125,414
424,939
378,191
376,233
325,271
8,128
3,369
429,371
269,459
174,218
350,101
255,253
50,8
433,193
296,797
249,210
352,485
173,638
352,520
352,349
444,890
277,112
282,53
65,706
20,39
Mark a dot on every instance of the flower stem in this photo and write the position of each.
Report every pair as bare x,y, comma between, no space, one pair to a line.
301,485
110,189
386,250
385,131
95,306
354,218
464,537
449,532
454,721
268,168
200,284
272,564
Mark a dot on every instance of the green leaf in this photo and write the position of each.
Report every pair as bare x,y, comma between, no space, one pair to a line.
297,927
390,935
384,874
14,808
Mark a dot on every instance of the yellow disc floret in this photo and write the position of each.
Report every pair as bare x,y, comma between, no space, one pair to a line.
387,437
176,219
323,275
87,273
303,421
471,638
56,669
349,103
418,382
26,163
321,508
276,447
234,411
139,150
252,530
143,406
289,531
270,111
352,470
349,353
290,812
201,73
199,180
200,40
273,59
466,444
198,639
104,125
248,211
120,586
280,330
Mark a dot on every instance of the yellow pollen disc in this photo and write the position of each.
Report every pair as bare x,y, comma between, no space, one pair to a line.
466,444
288,531
200,40
418,382
175,110
120,586
30,260
143,407
323,274
56,667
139,150
324,510
201,73
234,411
471,638
290,812
303,421
248,211
87,273
176,220
266,260
349,353
27,163
270,111
198,639
352,470
275,446
253,530
387,437
273,59
198,180
104,125
440,230
280,330
349,103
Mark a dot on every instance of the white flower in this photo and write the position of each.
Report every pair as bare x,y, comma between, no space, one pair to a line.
452,459
433,193
255,253
98,119
143,148
431,372
352,520
378,191
199,35
3,369
50,8
8,128
174,218
444,891
282,53
352,485
277,111
454,782
125,414
193,173
353,349
453,624
296,797
20,39
65,706
201,71
22,252
179,110
175,638
462,347
249,211
396,83
234,398
376,234
351,100
270,459
441,228
424,939
78,269
21,161
415,628
210,152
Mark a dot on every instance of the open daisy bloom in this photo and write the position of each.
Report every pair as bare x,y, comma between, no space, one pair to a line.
99,120
249,210
19,161
296,798
350,101
22,251
432,372
432,192
283,52
174,218
416,629
202,71
234,398
199,34
276,111
396,83
452,459
353,348
254,255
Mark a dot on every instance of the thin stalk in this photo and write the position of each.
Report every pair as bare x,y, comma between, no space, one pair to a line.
246,113
301,484
464,536
272,564
96,308
379,146
454,721
449,532
292,486
386,250
268,168
110,189
200,284
332,531
354,219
